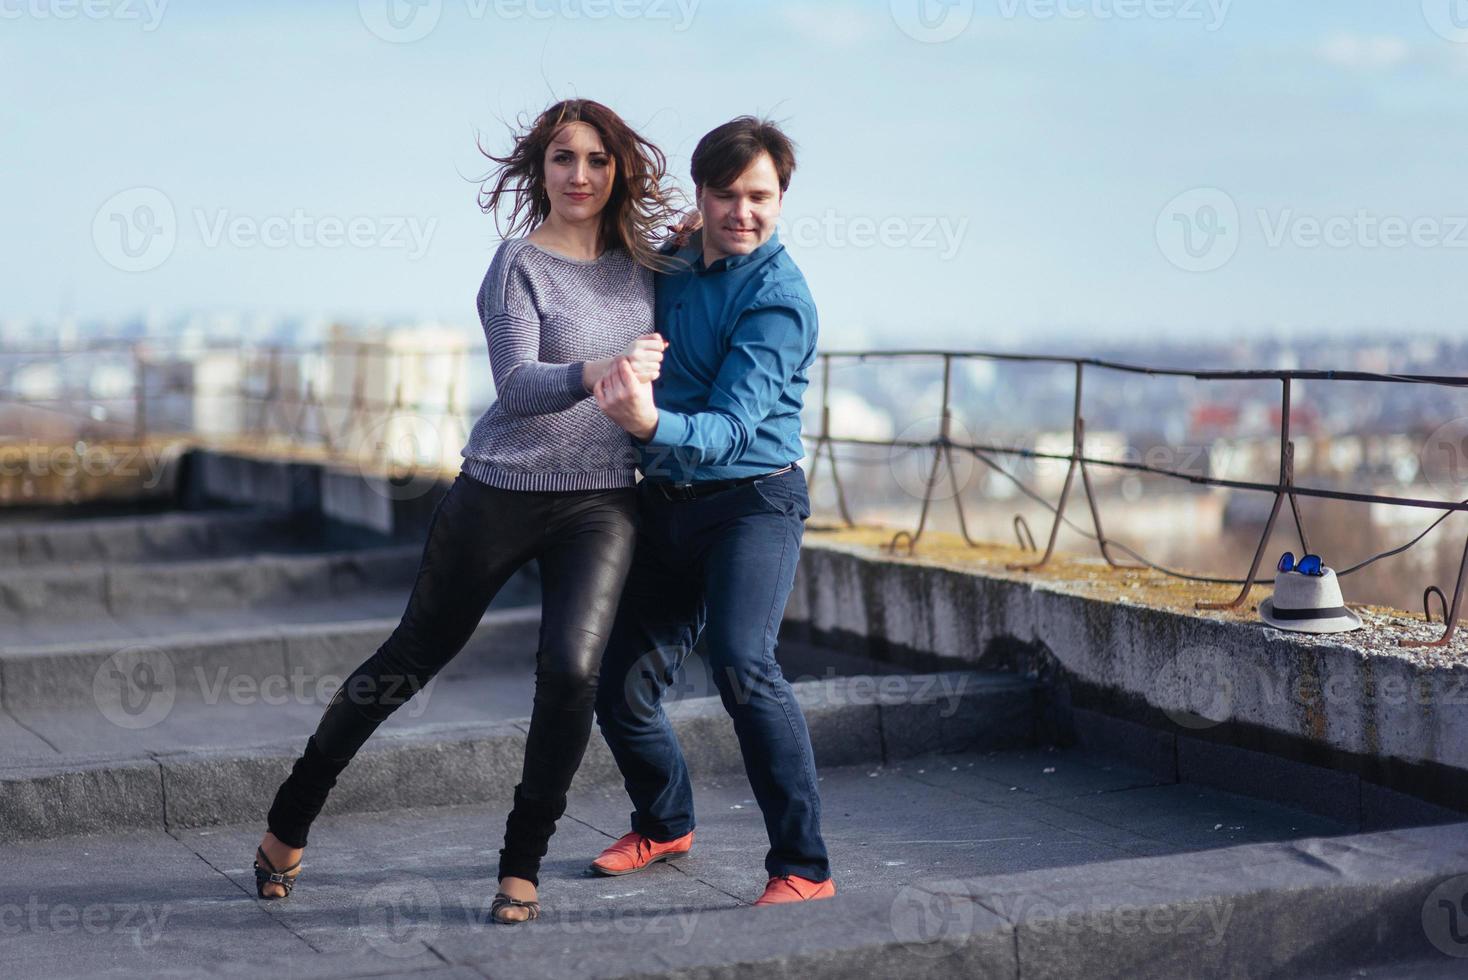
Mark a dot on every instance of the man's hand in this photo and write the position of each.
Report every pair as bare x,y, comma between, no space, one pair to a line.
627,401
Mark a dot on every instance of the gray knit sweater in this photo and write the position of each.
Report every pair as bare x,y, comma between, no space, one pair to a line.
543,315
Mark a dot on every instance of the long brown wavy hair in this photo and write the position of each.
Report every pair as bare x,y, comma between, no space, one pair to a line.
641,207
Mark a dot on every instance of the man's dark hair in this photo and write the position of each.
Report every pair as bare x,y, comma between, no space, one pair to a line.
727,151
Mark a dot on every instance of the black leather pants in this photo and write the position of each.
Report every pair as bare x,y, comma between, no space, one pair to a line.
478,537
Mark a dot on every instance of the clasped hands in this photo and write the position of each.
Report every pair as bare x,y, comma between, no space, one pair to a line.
623,384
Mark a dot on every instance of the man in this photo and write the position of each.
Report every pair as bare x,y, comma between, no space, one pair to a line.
722,507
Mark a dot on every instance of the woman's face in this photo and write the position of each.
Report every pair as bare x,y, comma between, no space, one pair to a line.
578,173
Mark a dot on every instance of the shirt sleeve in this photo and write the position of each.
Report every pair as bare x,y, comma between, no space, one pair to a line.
767,347
523,384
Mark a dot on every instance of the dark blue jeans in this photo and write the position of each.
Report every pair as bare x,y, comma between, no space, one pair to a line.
720,566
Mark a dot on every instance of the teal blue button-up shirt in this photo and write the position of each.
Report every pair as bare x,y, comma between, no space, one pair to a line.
742,336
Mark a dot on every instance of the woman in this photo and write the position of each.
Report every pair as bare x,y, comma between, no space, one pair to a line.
546,476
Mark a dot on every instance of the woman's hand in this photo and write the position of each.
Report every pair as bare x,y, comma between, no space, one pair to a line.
644,356
683,230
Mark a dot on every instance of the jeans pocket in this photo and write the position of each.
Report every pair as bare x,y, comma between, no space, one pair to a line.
784,497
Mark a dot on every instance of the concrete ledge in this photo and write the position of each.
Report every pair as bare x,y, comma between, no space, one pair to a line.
869,935
1264,910
351,496
1316,906
282,485
392,772
79,799
1389,719
468,764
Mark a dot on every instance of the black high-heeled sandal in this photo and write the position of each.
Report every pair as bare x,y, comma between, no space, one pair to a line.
282,878
502,901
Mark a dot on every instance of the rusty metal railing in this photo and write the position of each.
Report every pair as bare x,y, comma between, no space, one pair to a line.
276,396
1284,488
284,392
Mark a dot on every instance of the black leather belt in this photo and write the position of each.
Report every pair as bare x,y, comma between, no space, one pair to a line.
702,488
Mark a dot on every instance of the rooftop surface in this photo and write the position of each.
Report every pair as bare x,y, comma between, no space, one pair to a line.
958,836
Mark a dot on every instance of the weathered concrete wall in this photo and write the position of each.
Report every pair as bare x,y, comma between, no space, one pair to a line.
348,495
1397,719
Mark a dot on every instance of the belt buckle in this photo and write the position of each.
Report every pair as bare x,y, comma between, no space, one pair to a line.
680,491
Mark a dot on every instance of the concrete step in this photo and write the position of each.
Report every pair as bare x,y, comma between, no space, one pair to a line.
158,537
96,662
207,763
942,869
1438,967
56,595
213,691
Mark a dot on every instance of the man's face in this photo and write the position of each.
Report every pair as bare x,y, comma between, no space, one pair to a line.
741,217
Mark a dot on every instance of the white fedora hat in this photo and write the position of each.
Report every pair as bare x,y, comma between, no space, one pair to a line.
1308,604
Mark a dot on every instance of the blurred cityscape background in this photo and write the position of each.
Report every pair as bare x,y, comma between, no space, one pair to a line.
267,237
405,397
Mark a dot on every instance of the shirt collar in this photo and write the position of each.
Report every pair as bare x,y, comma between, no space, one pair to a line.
735,261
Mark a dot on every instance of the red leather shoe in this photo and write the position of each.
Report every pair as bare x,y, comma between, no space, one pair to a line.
793,888
633,852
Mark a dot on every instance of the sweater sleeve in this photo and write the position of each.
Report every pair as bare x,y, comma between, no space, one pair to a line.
523,384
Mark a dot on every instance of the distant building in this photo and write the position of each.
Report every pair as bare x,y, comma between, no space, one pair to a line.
398,394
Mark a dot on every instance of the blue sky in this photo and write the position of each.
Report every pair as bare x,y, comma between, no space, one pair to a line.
1016,181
